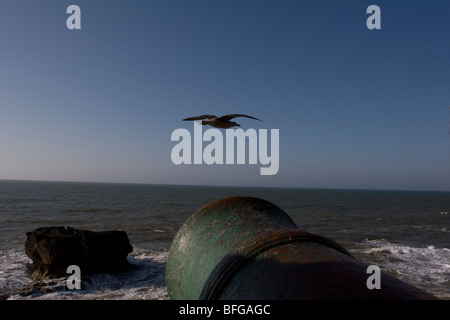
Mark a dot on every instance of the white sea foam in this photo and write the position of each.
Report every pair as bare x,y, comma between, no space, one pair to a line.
13,266
425,267
144,280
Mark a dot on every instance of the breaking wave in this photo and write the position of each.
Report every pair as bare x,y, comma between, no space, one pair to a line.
425,267
144,280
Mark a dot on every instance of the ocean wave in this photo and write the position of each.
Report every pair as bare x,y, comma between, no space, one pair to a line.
93,210
13,268
144,280
426,267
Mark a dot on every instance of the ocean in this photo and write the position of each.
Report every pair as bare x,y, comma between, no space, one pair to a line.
405,233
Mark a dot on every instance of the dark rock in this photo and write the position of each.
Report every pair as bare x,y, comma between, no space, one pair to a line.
53,249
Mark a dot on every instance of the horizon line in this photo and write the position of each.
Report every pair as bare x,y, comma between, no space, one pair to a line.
222,186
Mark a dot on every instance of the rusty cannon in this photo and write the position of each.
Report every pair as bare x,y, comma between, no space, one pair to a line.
244,248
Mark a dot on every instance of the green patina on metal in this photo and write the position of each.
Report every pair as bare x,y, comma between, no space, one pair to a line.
210,233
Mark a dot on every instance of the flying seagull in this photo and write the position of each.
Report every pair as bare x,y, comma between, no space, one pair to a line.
220,122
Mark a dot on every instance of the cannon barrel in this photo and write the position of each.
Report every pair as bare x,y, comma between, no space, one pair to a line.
244,248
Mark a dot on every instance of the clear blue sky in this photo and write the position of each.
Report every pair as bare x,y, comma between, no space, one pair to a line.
356,108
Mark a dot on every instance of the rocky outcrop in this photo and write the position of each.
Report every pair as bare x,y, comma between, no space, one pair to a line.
53,249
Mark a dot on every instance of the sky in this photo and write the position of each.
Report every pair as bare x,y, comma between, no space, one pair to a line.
356,108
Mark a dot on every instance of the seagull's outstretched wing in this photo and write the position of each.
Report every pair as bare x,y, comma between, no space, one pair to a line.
205,116
228,117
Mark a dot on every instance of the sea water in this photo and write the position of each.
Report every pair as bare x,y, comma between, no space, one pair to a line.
405,233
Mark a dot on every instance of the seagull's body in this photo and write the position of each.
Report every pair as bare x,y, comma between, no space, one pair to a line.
222,122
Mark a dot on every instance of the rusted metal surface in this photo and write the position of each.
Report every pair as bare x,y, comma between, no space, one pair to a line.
248,248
